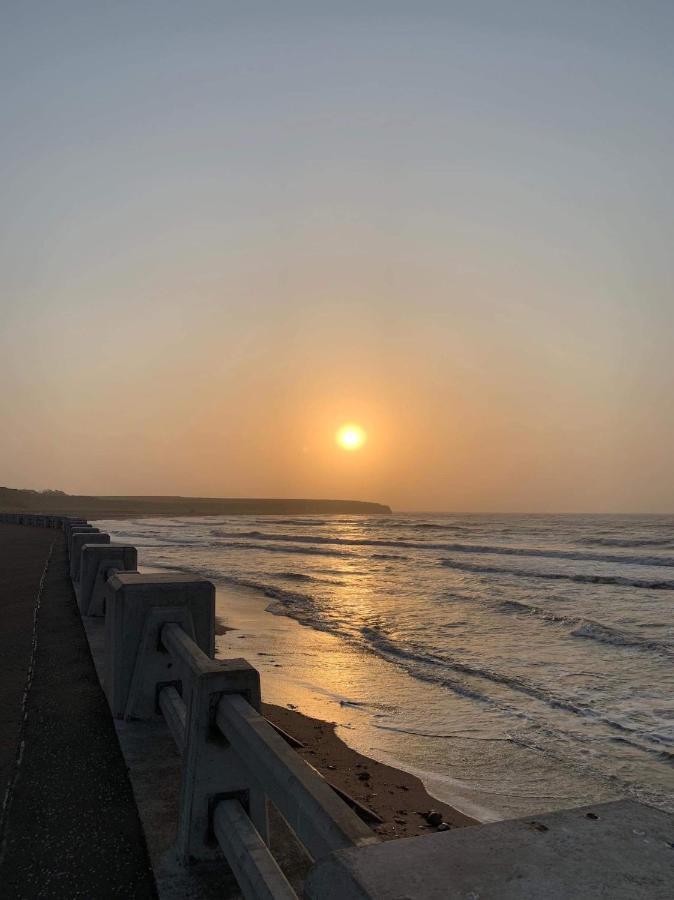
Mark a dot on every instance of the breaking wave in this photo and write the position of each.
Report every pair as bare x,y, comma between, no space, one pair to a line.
606,635
285,548
642,583
588,628
627,542
492,549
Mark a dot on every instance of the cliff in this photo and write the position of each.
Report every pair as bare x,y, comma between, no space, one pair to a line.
58,503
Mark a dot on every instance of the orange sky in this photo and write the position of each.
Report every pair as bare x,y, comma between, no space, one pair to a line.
224,235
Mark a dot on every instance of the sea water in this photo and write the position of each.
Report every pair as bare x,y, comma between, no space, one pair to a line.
515,663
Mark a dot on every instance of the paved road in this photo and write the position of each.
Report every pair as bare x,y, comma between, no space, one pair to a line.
23,554
71,828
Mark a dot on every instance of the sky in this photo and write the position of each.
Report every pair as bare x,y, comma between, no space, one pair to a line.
226,229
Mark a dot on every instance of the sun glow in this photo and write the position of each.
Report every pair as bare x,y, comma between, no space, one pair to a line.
351,437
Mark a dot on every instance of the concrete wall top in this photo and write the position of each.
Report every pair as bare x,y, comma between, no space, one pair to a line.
140,579
621,851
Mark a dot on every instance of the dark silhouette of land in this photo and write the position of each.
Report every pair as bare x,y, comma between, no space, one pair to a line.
58,503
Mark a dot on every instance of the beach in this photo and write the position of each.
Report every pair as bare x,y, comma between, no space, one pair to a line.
401,803
514,664
399,799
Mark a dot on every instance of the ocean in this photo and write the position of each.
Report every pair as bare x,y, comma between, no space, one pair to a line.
516,663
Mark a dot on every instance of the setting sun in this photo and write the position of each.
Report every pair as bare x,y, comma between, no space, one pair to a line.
351,437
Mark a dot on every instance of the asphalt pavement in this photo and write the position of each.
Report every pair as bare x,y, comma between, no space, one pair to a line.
70,827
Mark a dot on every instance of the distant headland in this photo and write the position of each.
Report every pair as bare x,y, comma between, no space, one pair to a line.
59,503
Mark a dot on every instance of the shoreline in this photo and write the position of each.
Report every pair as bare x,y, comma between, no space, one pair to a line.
320,653
289,710
318,665
285,652
398,798
242,613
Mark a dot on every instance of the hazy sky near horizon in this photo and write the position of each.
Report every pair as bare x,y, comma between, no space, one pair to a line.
228,228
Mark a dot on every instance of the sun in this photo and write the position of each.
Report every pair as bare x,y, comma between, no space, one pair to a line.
351,437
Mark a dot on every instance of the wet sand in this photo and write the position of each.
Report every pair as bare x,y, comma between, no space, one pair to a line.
398,799
400,802
287,666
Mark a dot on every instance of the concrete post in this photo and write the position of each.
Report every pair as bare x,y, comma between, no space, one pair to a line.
78,529
155,667
130,598
96,561
77,526
67,524
212,770
77,541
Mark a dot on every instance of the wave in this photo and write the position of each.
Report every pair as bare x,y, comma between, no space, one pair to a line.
492,549
619,580
427,666
270,548
442,670
659,753
588,628
514,683
302,576
399,729
303,608
434,526
607,635
627,542
298,521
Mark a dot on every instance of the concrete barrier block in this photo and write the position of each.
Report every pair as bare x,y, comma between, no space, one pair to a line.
130,598
77,541
68,522
71,528
96,562
78,529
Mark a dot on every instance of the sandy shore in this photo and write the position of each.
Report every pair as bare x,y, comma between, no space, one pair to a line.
400,802
398,799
